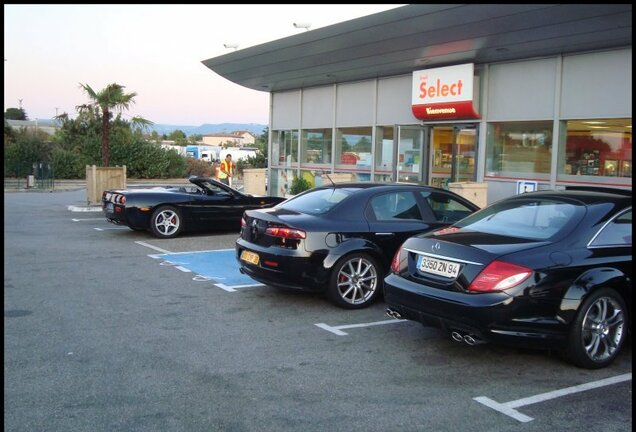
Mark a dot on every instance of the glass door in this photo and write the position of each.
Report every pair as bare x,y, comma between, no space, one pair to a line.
410,154
453,151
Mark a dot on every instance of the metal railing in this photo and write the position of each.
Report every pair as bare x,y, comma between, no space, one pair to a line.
26,175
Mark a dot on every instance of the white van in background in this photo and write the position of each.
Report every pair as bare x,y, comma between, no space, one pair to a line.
209,155
237,153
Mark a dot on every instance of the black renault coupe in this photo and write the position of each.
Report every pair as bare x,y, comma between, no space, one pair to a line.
340,239
548,269
166,211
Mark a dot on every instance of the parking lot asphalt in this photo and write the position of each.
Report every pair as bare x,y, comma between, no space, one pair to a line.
110,329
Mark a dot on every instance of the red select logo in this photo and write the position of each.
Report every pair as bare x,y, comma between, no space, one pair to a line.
440,89
444,93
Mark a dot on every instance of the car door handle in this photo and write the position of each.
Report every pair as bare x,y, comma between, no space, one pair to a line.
385,234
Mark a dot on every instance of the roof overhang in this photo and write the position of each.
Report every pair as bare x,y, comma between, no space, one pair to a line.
421,36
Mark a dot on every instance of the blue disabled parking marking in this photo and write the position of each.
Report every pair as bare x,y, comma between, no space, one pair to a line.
217,265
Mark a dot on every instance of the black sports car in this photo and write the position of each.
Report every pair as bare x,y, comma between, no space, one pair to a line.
549,269
341,238
166,211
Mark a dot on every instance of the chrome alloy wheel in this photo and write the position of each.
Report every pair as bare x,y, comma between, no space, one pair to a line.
167,222
357,281
603,327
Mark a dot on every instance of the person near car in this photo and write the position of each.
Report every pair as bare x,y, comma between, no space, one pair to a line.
226,171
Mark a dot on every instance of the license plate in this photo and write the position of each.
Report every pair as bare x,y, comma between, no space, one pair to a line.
109,207
438,267
250,257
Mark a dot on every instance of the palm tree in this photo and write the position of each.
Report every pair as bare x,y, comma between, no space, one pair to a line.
112,97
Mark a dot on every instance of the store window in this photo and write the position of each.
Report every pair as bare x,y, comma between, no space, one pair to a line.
384,149
315,146
281,181
353,147
519,149
593,148
285,148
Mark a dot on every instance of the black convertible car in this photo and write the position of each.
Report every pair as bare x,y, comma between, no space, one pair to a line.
549,269
168,210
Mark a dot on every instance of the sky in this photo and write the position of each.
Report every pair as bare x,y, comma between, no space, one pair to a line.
155,51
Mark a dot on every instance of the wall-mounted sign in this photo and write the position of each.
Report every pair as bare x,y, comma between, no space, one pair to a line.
444,93
524,186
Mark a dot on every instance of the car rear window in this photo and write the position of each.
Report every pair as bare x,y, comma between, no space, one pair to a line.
531,219
316,202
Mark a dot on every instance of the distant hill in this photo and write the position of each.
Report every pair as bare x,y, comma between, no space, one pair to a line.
207,128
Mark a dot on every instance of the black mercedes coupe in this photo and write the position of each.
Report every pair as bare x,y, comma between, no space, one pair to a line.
166,211
340,239
548,269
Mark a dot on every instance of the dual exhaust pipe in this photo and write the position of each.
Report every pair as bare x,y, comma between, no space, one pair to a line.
456,335
467,338
393,313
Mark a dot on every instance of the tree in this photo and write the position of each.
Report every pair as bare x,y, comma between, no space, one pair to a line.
195,138
15,114
179,137
112,97
154,136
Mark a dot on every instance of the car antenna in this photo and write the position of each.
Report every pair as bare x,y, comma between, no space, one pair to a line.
326,174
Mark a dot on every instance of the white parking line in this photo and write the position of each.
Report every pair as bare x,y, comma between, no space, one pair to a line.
90,219
508,408
234,287
104,229
153,247
337,329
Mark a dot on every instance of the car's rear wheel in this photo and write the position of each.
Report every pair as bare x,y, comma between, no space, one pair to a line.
355,281
166,222
598,333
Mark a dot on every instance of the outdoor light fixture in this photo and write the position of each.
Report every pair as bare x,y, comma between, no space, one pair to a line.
302,25
231,45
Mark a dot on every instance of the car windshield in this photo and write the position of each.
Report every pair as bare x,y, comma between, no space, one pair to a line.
214,188
316,202
527,219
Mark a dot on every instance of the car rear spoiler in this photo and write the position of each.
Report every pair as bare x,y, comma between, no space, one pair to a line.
618,191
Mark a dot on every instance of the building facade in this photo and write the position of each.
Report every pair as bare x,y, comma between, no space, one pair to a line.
554,122
512,96
234,139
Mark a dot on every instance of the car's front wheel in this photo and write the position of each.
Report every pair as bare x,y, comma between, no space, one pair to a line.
598,333
166,222
355,281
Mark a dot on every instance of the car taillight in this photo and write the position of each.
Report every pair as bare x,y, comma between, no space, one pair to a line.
499,276
243,222
287,233
395,263
116,198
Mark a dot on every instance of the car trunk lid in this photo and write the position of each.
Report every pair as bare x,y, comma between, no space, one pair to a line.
452,261
256,224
